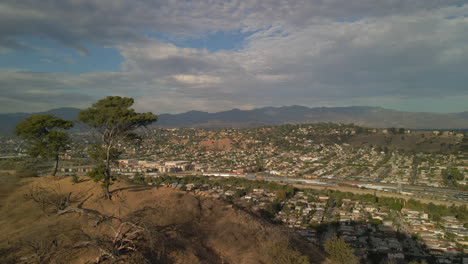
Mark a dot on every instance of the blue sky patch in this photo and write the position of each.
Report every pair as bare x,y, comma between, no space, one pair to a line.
50,56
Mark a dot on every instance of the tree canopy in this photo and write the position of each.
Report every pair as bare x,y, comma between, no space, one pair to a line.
451,176
114,115
340,251
115,121
45,135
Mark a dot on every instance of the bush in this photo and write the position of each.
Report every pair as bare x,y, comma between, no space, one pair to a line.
139,178
75,178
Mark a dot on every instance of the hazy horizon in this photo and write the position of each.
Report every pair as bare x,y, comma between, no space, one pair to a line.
248,109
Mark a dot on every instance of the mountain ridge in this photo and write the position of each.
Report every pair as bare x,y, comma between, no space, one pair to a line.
368,116
361,115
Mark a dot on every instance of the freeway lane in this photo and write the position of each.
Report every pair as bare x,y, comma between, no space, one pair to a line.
441,196
422,193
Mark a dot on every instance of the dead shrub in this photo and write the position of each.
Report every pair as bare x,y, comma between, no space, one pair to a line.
41,249
51,200
50,243
7,256
123,243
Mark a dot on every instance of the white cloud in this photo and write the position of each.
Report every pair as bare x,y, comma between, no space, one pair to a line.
75,23
274,77
197,80
302,52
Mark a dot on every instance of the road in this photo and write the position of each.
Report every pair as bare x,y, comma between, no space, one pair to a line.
414,173
424,194
379,194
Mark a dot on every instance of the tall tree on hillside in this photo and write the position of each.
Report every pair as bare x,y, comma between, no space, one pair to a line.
115,122
45,136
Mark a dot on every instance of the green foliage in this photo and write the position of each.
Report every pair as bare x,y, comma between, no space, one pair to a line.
240,193
75,178
392,203
460,212
451,176
450,236
99,154
115,121
36,127
340,251
113,117
139,178
438,211
45,136
434,211
290,190
375,222
98,174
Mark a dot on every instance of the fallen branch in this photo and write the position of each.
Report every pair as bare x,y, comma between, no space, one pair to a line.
123,242
72,210
91,213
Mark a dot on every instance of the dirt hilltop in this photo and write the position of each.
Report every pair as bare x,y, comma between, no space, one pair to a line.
44,220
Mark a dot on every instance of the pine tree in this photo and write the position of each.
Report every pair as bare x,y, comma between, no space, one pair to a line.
115,122
45,135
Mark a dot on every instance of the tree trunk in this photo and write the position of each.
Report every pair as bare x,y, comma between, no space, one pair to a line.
106,190
108,174
56,165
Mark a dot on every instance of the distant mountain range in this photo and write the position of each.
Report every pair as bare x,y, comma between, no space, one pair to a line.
8,121
360,115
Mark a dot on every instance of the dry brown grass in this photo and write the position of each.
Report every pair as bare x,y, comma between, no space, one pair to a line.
141,224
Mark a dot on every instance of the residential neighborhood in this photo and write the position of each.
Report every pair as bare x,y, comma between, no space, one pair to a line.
247,167
374,230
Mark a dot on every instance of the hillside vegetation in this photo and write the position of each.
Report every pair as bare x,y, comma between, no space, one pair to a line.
45,220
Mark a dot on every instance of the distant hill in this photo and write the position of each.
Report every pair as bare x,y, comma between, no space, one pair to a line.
360,115
8,121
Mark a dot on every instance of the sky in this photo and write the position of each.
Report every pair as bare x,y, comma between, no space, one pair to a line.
173,56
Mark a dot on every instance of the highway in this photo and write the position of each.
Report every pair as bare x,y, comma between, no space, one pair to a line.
425,194
422,193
